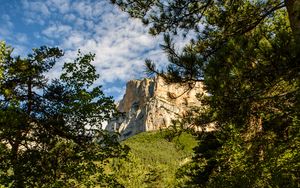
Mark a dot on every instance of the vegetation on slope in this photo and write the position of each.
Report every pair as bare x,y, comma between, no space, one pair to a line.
153,160
246,53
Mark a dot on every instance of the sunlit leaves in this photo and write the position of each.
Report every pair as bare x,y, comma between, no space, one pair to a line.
51,131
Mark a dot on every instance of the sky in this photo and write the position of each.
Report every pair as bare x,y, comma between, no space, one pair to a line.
121,43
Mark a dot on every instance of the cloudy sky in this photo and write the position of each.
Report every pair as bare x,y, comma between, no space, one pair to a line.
121,44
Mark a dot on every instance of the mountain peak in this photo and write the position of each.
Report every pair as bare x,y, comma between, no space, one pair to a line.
152,104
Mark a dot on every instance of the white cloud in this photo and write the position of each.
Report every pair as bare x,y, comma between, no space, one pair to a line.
21,38
37,7
20,50
16,40
57,30
62,6
7,21
117,91
84,9
75,39
121,44
69,17
79,22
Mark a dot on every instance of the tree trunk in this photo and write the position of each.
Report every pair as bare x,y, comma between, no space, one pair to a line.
29,96
19,182
293,9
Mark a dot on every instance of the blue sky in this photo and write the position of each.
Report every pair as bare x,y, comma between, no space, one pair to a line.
121,44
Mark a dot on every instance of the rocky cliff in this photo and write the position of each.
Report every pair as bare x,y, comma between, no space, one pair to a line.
151,104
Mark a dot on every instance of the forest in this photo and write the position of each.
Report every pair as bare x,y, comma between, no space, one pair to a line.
245,52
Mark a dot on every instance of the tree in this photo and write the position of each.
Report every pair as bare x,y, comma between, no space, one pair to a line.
171,16
247,55
51,131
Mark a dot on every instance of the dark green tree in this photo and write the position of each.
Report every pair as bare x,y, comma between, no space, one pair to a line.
51,131
247,55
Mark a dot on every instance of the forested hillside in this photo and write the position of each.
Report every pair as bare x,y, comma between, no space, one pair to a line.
153,159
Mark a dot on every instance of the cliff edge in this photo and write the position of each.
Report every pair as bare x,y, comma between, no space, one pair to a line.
151,104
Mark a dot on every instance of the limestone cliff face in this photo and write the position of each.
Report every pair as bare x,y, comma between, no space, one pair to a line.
151,104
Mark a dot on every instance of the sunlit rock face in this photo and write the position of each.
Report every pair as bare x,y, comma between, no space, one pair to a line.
151,104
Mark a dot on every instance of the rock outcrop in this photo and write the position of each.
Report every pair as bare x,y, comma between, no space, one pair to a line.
151,104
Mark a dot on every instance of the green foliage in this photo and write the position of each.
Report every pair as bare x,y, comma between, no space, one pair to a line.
4,54
51,131
247,55
153,160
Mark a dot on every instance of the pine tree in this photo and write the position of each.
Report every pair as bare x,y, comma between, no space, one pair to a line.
247,55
